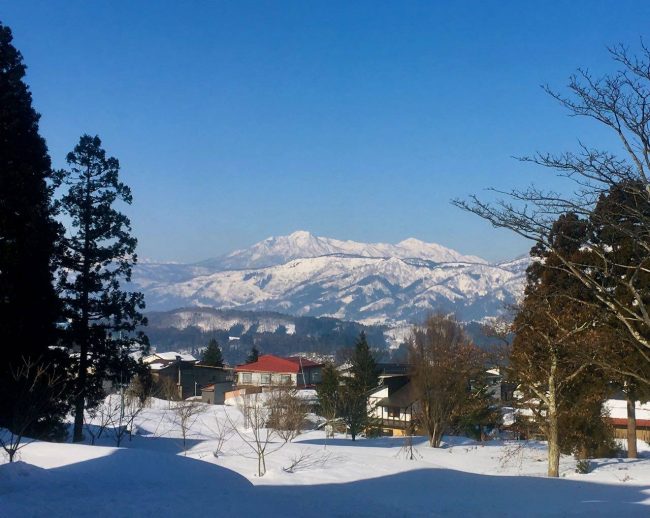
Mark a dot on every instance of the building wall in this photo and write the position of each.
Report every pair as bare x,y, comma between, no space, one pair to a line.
217,394
642,433
259,379
192,377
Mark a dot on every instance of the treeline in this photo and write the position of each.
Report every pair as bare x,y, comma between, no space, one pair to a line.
66,326
320,335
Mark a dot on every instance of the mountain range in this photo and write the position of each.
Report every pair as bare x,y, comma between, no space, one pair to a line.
306,275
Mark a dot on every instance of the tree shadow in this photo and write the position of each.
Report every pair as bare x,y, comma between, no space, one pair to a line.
380,442
138,440
149,483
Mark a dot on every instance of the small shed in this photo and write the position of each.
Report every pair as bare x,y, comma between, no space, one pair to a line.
215,393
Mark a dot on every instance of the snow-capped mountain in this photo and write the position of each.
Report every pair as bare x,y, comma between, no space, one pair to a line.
302,274
301,244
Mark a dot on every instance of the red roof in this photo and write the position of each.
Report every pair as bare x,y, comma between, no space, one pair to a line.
622,421
271,363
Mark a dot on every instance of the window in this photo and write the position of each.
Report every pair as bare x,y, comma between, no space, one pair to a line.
393,412
315,376
246,378
285,379
266,378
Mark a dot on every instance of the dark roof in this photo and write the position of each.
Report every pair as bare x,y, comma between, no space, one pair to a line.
403,397
392,368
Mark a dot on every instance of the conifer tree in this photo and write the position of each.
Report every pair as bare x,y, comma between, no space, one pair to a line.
354,407
212,355
364,367
328,392
99,252
553,330
253,356
28,303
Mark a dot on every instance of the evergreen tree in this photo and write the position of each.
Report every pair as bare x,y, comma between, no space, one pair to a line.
99,252
364,367
328,392
253,355
28,304
212,355
354,401
613,232
554,330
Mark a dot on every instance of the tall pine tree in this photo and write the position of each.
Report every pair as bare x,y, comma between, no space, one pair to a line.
212,355
364,367
99,254
354,401
28,303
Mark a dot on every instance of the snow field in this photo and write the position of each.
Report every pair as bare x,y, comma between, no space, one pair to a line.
151,476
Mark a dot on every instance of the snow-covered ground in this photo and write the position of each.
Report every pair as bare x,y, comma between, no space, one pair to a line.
150,476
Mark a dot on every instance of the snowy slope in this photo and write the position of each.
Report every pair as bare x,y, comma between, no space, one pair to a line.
302,274
301,244
150,476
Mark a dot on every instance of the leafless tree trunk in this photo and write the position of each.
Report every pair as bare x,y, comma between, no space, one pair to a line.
186,414
222,432
631,425
125,408
545,364
38,385
256,434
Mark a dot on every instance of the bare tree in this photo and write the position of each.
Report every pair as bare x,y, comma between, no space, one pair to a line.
617,283
126,408
223,431
443,364
97,419
38,387
408,450
186,413
287,412
256,435
168,389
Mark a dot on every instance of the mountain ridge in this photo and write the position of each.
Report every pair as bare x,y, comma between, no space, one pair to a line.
305,275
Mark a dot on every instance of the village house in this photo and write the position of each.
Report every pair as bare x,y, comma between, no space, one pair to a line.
393,404
270,371
179,376
617,410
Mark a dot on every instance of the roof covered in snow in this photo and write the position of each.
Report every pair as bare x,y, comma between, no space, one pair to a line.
169,356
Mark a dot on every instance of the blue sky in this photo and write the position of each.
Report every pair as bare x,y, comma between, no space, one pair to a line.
238,120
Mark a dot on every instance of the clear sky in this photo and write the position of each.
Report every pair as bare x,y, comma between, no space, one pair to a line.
234,121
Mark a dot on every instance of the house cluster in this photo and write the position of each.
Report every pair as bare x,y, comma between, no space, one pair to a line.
180,376
393,404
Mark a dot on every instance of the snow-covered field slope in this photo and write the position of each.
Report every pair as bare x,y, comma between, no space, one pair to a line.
301,274
150,476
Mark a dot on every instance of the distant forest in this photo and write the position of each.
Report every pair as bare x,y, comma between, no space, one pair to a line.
326,336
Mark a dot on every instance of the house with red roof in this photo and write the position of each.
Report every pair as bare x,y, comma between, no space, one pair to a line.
272,371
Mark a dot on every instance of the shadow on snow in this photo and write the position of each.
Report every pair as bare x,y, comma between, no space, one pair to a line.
149,483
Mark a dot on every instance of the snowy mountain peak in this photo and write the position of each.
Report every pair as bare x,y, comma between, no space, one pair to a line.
300,235
302,244
304,274
411,242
